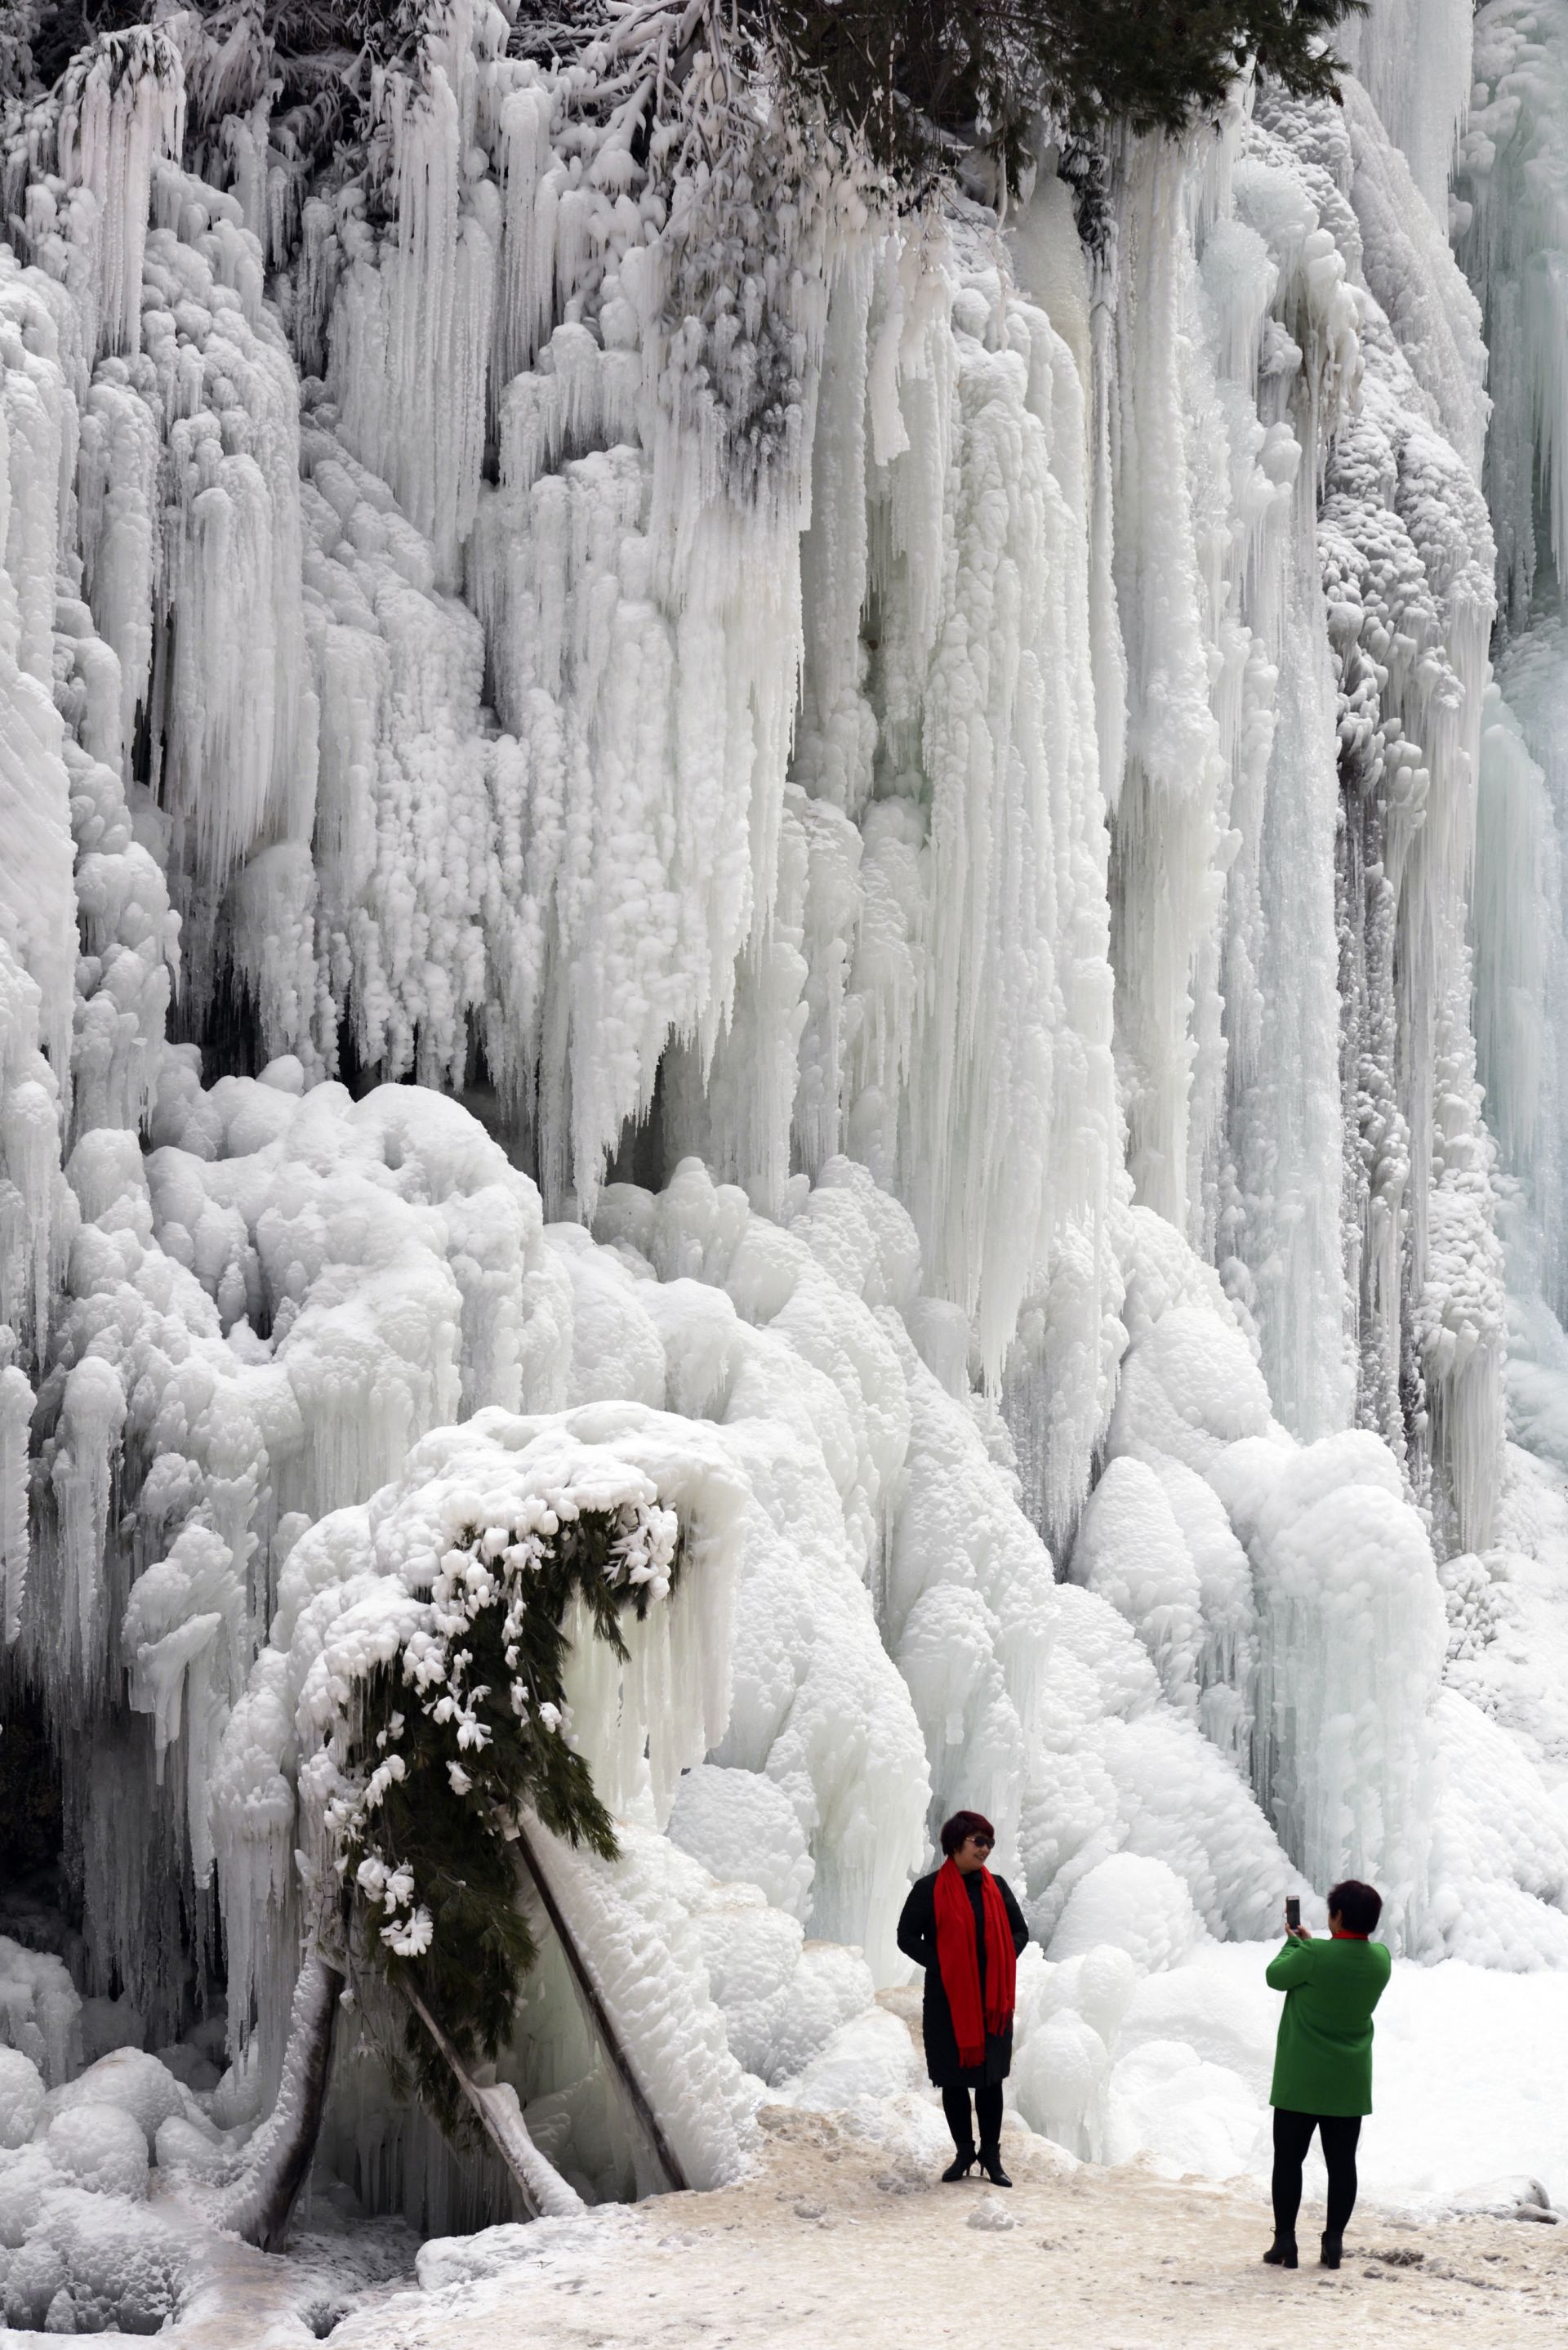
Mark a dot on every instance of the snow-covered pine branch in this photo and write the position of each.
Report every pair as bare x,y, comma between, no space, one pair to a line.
443,1744
511,1640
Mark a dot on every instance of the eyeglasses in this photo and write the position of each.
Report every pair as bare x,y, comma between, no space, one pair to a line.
985,1842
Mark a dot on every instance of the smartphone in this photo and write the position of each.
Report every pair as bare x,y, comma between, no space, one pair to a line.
1292,1911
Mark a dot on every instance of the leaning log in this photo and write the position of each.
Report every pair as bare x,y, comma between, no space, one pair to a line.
541,2190
619,2060
257,2204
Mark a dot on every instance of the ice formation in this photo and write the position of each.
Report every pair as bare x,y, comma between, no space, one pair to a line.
897,881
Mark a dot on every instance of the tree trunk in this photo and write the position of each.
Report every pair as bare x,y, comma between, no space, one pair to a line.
620,2062
544,2193
277,2161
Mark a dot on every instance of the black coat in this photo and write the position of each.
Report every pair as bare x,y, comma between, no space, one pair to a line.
918,1940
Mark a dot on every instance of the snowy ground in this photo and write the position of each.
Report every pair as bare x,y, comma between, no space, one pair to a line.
843,2240
1161,2243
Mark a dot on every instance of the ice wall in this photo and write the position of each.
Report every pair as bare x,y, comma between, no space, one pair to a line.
1513,241
1511,182
1302,559
1515,244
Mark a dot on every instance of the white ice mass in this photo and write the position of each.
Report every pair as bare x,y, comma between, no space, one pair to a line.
894,882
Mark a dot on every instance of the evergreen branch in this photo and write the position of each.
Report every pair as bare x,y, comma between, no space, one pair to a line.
447,1742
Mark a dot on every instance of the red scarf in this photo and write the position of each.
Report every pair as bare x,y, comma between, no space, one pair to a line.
958,1961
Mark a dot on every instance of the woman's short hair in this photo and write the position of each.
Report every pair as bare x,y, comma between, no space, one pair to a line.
1356,1906
967,1824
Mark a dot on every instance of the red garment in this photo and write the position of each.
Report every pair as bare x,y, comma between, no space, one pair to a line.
958,1958
1338,1934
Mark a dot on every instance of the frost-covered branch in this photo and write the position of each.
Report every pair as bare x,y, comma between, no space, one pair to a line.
442,1741
446,1718
915,85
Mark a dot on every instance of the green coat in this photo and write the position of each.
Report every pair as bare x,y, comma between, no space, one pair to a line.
1323,2059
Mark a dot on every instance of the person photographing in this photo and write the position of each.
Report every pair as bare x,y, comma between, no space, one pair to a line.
965,1929
1323,2058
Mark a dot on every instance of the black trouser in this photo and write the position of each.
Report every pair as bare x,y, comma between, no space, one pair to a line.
987,2113
1292,2135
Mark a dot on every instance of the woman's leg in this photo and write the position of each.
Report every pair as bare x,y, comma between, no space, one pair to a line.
988,2114
955,2105
1293,2136
1339,2133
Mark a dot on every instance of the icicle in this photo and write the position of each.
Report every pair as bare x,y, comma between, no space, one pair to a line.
1166,834
528,284
16,1413
1282,1016
411,339
92,1415
1415,63
1513,227
118,487
122,106
183,1636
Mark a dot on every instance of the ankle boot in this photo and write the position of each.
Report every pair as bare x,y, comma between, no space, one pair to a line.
990,2163
1333,2249
960,2166
1281,2253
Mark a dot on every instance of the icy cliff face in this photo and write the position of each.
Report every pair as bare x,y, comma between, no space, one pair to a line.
642,797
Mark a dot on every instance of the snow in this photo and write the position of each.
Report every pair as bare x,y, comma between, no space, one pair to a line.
1130,1550
1350,1660
93,2263
40,2011
1123,2256
634,1923
868,2057
21,2087
100,2147
134,2083
1132,1904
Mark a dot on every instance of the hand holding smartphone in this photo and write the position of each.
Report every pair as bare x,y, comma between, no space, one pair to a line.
1293,1913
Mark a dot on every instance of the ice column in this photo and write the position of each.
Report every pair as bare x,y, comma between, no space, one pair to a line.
1164,877
122,106
1413,57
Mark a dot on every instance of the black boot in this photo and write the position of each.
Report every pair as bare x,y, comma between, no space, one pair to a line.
1332,2247
990,2163
1282,2253
960,2166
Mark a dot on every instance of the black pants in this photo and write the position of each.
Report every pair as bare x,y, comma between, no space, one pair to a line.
987,2113
1293,2136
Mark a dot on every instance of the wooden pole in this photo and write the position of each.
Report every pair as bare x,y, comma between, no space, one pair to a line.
543,2192
620,2062
258,2203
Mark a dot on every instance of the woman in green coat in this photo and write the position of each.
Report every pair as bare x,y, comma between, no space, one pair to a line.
1322,2060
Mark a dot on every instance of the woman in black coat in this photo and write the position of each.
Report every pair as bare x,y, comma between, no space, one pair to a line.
963,1925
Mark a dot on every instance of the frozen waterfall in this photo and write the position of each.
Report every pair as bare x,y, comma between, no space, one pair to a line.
906,868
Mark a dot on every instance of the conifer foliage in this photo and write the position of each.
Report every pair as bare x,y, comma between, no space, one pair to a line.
446,1741
918,77
917,82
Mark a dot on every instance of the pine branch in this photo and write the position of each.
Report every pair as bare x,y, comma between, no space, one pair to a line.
445,1744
